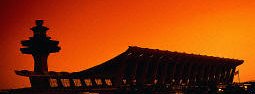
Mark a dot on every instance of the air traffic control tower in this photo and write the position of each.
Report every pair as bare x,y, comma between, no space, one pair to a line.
39,46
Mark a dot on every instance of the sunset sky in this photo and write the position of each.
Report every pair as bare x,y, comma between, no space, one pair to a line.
93,31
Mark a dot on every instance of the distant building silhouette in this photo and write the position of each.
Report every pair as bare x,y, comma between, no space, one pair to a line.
135,71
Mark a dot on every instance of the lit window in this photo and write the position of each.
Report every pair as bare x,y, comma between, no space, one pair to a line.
220,90
65,82
108,82
53,83
134,81
245,87
155,81
98,81
88,82
124,81
173,80
77,82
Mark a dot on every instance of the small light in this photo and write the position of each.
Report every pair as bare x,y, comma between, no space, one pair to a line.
124,81
220,89
245,87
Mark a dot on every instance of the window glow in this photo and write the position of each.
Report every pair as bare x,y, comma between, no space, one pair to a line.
65,82
124,81
98,81
53,83
108,82
88,82
77,82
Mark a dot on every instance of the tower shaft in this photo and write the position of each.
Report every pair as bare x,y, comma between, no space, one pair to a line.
40,63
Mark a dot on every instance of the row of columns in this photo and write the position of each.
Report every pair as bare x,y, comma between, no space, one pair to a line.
147,67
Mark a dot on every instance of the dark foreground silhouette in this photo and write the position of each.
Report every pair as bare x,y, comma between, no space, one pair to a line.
135,71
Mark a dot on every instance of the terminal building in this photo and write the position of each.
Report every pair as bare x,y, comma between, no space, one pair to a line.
135,71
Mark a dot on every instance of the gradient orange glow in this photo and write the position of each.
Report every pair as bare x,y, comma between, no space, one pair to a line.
93,31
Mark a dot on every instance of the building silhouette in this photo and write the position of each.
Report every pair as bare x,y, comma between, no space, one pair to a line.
135,71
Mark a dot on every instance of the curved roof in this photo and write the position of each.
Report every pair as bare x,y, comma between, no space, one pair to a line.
138,54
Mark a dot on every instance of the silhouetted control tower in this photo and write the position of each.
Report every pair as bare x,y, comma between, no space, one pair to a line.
40,46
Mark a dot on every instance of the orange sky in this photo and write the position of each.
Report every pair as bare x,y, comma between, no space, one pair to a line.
93,31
